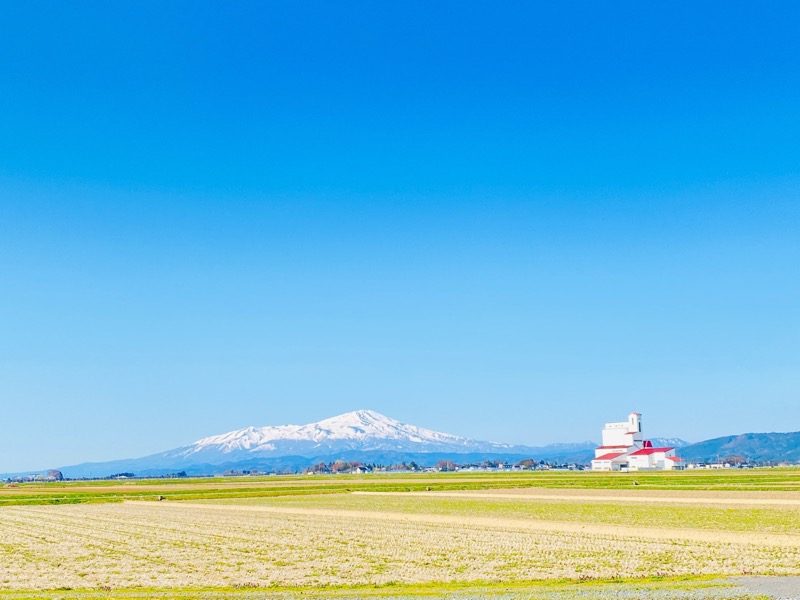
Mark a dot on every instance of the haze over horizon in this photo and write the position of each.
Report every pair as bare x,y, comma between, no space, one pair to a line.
506,223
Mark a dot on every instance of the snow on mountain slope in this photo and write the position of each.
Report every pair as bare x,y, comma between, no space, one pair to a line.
672,442
358,430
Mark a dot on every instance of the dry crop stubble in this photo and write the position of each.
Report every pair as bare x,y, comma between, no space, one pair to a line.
751,513
175,545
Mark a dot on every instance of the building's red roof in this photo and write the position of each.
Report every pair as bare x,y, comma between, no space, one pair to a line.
675,458
610,456
609,447
646,451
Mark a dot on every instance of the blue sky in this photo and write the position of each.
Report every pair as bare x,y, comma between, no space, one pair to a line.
511,222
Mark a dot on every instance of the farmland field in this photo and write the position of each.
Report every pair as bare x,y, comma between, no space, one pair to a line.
463,534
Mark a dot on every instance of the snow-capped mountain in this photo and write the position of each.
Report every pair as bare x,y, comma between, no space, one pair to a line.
363,430
363,435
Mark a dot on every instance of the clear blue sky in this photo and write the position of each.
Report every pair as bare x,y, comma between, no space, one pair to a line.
508,221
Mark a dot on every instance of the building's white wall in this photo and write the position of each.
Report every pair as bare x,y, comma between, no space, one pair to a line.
655,460
623,433
606,465
635,427
615,434
635,422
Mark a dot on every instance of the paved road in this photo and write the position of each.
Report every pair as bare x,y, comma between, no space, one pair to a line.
782,588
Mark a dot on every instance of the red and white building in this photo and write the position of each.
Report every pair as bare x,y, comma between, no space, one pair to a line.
624,448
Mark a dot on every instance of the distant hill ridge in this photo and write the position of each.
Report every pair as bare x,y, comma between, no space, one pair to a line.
758,447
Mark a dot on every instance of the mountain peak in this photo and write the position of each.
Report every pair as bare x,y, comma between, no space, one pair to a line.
361,416
360,419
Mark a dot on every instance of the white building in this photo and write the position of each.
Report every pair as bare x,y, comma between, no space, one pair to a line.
624,448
